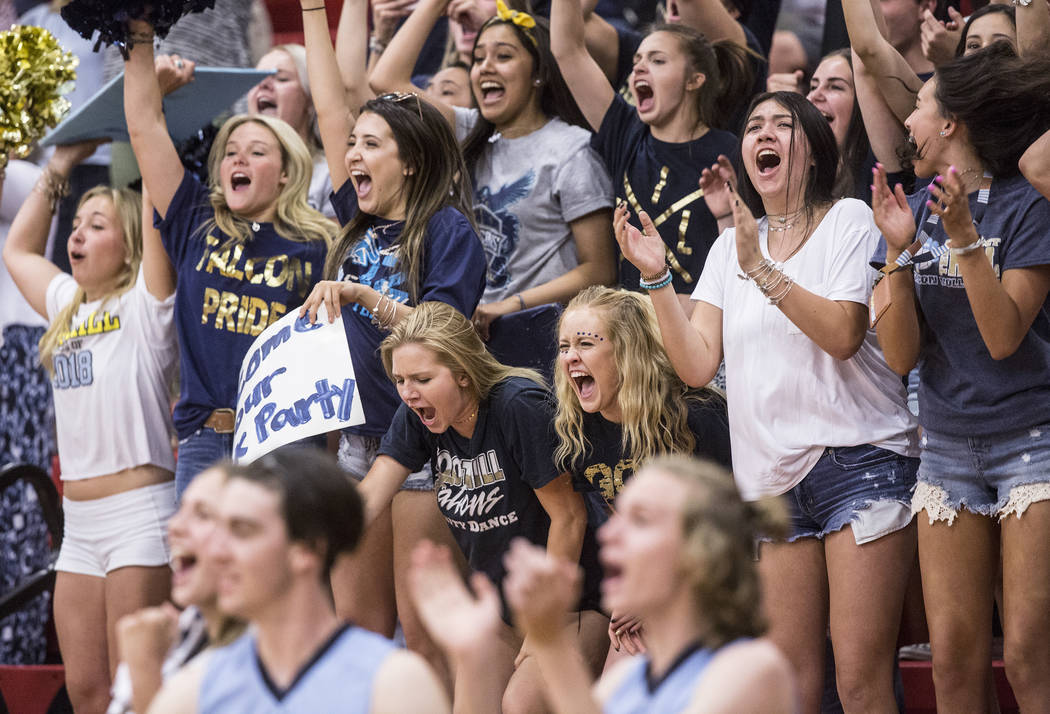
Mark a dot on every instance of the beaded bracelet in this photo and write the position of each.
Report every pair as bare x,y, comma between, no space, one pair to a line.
662,281
655,278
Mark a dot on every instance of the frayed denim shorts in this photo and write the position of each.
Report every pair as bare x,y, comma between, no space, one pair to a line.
866,487
357,453
988,475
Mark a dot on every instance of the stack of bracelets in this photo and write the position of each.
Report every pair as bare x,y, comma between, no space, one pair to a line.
770,279
655,282
384,319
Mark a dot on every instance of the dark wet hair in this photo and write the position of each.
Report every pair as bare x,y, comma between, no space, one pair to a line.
820,179
1008,10
555,98
1003,101
319,502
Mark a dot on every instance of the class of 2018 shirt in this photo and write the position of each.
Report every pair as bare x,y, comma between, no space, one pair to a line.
226,296
486,484
453,272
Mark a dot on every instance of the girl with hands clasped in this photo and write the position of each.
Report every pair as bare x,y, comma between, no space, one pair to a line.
110,350
815,415
967,303
674,520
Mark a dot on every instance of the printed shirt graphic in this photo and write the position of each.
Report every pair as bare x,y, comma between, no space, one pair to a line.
661,179
527,191
453,272
962,390
499,226
486,484
112,369
226,296
604,468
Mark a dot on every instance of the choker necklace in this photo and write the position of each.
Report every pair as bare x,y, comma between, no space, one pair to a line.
785,221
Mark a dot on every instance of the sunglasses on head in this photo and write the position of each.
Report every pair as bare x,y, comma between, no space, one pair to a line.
398,97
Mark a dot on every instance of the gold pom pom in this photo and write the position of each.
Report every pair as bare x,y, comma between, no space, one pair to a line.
34,74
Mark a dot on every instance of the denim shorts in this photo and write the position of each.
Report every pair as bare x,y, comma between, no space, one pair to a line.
356,454
988,475
866,486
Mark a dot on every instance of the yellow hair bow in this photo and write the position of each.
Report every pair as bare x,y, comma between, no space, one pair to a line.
521,19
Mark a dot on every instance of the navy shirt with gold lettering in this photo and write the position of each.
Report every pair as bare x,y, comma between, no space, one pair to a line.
662,179
226,295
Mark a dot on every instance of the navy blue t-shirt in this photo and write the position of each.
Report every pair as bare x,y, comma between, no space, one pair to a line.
486,484
603,469
661,179
453,272
226,296
962,390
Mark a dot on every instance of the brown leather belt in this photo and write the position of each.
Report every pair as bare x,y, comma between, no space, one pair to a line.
221,421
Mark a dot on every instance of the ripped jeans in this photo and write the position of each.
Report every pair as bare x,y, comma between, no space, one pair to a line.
866,487
988,475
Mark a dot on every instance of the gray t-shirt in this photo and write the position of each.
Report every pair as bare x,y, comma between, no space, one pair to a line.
526,192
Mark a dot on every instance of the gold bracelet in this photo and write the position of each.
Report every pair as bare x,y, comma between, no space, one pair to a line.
52,186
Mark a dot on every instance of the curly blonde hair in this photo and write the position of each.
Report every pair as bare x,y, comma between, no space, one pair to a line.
443,330
128,206
654,401
294,218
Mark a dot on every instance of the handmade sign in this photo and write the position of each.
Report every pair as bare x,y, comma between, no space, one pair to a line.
297,380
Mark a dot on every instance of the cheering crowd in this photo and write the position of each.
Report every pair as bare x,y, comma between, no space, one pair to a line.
795,353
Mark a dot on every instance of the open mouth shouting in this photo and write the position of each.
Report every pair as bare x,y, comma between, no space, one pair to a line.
266,105
491,92
583,382
239,181
643,95
362,182
767,161
427,415
183,565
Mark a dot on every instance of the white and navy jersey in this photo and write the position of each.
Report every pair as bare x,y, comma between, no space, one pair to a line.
639,693
338,678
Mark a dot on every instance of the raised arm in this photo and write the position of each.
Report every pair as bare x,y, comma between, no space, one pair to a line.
1035,164
27,237
351,52
898,328
334,116
1033,27
157,270
885,132
867,35
711,18
586,80
693,343
155,152
393,71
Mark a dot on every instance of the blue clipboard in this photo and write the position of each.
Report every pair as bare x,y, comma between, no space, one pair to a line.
187,109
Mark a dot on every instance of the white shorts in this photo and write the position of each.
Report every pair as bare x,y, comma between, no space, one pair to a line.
128,529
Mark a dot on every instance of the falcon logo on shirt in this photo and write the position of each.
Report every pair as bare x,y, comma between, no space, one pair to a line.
499,228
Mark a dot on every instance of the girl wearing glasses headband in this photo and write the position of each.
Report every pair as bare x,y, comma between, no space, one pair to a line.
541,195
401,194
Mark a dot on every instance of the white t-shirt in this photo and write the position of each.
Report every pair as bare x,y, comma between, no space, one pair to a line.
110,381
788,398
